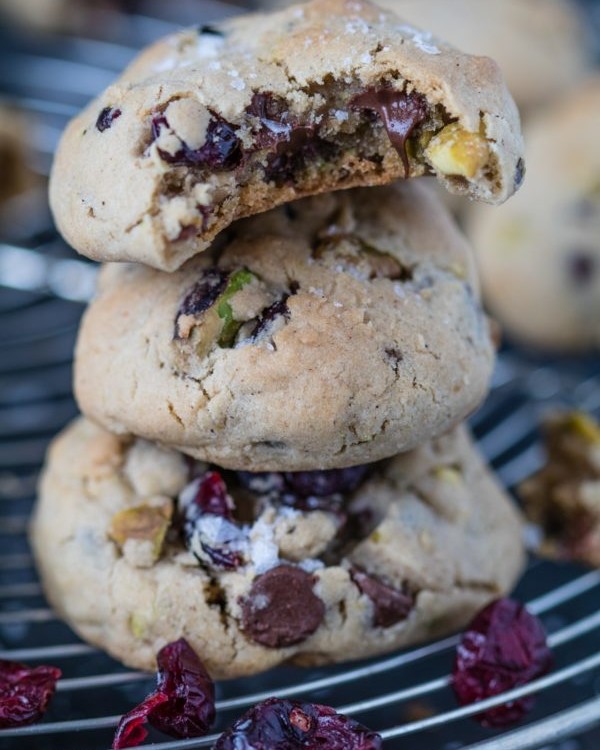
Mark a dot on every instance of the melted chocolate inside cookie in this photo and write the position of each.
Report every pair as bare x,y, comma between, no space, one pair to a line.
400,112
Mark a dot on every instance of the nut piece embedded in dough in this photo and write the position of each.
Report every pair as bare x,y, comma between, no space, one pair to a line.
143,523
457,152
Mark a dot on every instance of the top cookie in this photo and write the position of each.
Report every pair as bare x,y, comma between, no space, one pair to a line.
216,123
540,45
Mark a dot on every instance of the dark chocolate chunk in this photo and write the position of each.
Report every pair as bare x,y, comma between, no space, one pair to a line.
106,118
582,267
282,608
202,295
400,113
390,606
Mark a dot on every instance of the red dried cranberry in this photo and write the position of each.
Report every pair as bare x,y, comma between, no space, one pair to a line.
190,710
323,483
220,543
269,315
222,148
131,730
503,647
202,295
106,118
400,112
183,705
278,724
25,692
212,497
390,606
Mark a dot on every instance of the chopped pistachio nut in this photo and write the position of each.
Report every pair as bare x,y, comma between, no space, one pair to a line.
138,624
458,152
237,281
447,474
145,523
583,425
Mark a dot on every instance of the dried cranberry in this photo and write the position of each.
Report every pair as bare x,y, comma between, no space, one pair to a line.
503,647
306,490
190,710
131,730
208,523
281,608
323,483
271,313
25,692
106,118
390,606
201,296
183,705
278,724
222,148
401,112
212,496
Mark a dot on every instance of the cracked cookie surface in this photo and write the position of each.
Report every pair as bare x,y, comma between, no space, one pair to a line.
335,331
218,123
437,540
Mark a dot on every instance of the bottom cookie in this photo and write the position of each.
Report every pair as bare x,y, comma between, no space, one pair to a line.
138,546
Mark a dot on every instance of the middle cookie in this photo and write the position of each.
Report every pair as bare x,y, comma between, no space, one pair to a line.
331,332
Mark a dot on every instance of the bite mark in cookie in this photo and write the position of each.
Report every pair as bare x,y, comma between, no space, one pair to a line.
215,127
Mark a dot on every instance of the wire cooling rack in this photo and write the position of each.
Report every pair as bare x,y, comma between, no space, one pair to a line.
405,695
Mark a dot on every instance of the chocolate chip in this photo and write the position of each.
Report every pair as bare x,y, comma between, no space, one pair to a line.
400,113
282,608
389,605
519,174
582,267
106,118
210,30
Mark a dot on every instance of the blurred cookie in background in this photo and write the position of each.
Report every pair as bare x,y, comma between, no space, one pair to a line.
15,173
563,497
539,255
541,45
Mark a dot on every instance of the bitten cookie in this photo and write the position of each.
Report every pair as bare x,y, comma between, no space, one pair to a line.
137,546
540,45
333,331
539,256
218,123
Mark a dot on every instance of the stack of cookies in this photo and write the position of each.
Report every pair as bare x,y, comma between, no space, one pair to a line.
272,462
